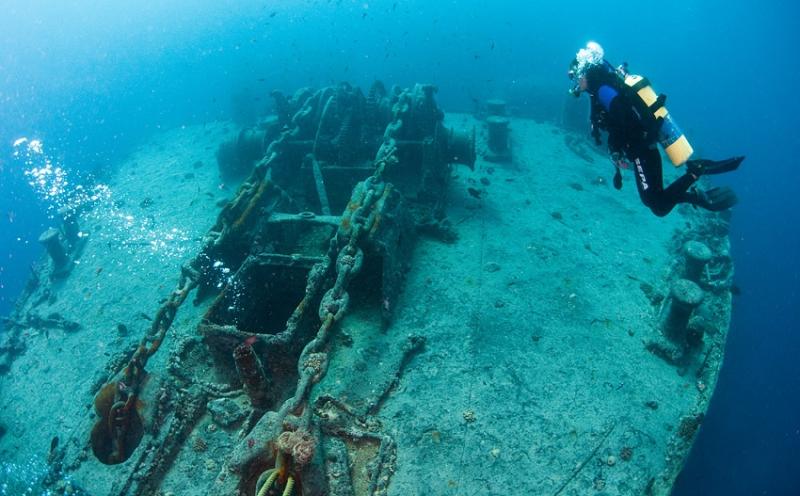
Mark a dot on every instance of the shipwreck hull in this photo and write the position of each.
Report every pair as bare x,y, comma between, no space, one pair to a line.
362,318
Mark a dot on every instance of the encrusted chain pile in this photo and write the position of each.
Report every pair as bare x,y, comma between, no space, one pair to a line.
349,259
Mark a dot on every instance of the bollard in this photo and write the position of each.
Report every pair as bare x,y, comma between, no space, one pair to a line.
697,256
70,224
685,296
498,134
496,107
498,139
52,242
252,375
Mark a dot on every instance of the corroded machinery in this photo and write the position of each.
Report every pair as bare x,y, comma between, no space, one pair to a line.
321,228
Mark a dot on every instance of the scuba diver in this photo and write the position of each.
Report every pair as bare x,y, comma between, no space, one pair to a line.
636,120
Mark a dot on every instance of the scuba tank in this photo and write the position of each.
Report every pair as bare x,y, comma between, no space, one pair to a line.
670,135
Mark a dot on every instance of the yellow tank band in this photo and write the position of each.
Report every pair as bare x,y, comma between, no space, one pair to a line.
679,151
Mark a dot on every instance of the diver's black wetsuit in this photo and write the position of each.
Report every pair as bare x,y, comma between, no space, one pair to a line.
613,111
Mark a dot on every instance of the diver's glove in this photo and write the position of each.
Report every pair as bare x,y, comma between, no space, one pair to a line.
618,159
617,181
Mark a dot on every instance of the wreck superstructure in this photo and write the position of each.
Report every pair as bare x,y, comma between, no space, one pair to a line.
305,304
319,222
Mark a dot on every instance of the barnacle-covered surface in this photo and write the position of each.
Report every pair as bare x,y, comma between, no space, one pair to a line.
348,311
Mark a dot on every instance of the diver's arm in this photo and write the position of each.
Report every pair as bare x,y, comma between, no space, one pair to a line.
616,139
617,157
596,120
624,125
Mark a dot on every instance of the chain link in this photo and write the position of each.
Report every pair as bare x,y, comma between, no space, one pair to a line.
347,262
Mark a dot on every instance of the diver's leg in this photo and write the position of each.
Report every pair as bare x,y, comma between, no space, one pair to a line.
649,179
677,191
649,182
714,199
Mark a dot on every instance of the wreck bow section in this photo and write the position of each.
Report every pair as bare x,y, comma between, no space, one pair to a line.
321,230
577,346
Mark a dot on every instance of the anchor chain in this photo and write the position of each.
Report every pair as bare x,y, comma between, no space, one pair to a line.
190,278
127,388
347,262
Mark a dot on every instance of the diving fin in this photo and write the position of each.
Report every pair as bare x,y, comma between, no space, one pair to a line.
715,199
703,166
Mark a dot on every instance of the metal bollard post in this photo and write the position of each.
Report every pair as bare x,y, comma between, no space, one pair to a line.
496,107
685,296
498,139
697,256
51,239
69,217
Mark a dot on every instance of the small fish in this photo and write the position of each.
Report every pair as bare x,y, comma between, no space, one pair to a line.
12,216
273,13
474,193
251,340
144,316
491,46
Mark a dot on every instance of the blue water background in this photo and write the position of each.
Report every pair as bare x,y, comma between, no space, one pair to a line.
94,79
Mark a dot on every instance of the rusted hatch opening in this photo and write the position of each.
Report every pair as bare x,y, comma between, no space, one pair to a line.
270,285
262,299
